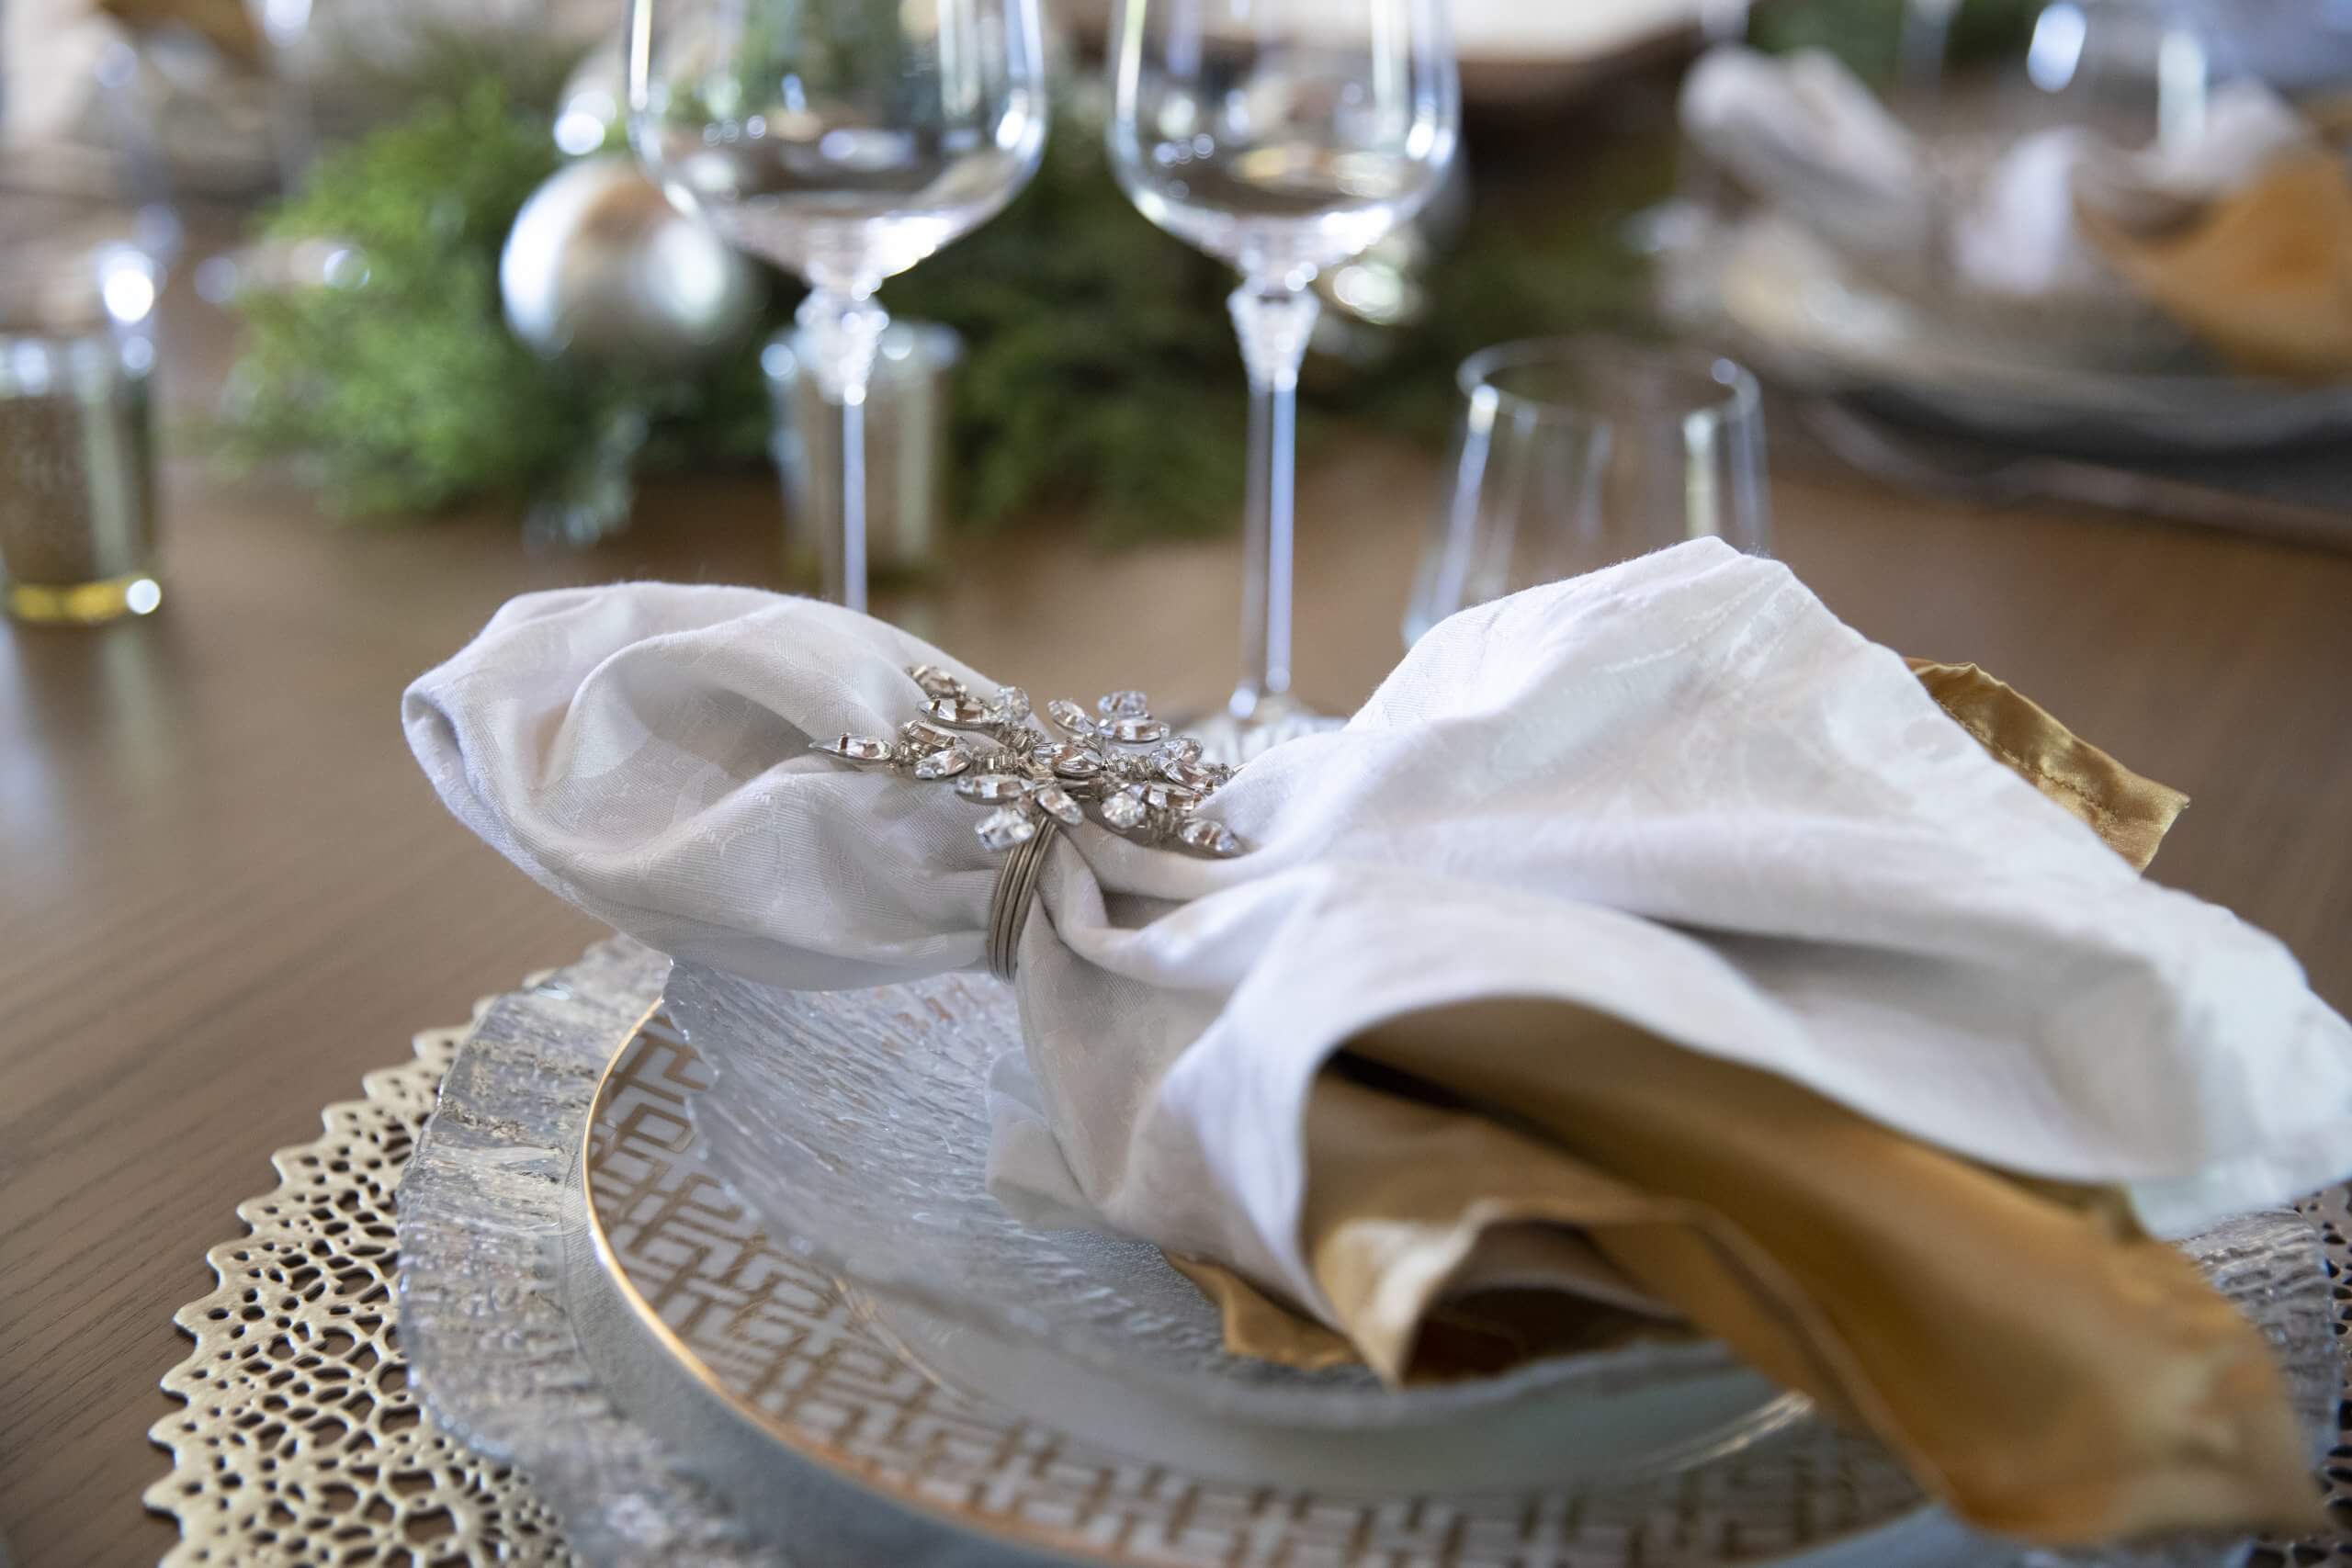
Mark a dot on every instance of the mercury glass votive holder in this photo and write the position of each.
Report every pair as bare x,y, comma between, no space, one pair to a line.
908,410
77,455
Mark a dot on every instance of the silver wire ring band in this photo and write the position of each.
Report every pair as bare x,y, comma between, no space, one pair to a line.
1015,891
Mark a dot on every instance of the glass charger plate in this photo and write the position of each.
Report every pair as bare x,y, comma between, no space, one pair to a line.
857,1124
1804,317
766,1352
591,1307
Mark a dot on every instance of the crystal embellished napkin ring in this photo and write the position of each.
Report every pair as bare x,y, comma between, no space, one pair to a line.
1009,900
1120,763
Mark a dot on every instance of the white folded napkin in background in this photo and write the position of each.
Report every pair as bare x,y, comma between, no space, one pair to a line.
2020,235
1679,792
1809,137
1803,132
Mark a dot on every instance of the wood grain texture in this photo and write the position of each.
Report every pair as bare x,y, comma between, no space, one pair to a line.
225,892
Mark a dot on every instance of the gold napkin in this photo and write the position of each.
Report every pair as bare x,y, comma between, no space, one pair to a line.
2042,1367
2263,276
2133,814
226,24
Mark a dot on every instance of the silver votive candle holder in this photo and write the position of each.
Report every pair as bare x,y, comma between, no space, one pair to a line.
908,405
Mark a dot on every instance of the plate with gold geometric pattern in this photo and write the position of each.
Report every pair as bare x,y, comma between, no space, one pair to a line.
776,1357
581,1296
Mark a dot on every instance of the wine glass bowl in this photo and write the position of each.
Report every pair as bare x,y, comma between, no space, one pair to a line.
2139,72
1277,157
844,141
845,153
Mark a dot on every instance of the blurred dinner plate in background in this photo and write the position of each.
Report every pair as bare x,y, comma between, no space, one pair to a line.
1522,51
1804,316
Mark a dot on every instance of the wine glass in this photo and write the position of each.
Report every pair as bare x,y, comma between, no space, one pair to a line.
1923,47
1574,454
2137,72
844,141
1284,137
1700,194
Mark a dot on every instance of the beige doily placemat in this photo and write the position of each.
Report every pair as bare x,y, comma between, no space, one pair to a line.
302,1441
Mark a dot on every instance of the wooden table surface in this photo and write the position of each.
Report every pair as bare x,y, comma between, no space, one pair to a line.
225,891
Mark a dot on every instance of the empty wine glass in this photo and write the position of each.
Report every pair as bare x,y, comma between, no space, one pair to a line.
1923,47
2137,72
1702,192
1574,454
845,140
1284,137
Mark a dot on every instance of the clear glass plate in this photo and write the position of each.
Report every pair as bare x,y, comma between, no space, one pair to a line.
854,1126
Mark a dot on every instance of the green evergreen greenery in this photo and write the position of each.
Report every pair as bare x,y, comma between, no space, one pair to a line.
404,394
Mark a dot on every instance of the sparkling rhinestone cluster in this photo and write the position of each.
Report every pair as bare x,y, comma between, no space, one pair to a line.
1138,779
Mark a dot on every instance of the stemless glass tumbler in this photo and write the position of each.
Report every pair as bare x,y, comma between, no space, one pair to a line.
1574,454
77,428
1284,137
844,141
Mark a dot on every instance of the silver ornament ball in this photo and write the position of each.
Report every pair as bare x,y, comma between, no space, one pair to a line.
600,268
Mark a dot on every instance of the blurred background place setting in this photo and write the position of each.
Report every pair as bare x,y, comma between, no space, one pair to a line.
1179,782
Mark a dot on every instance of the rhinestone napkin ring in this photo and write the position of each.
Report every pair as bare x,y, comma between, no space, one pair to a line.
1118,762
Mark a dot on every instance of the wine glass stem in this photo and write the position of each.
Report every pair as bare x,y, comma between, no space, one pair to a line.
1274,320
848,585
293,119
1926,39
840,329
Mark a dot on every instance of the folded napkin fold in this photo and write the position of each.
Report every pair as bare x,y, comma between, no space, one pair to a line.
1802,132
2033,227
2023,1344
1673,814
2263,274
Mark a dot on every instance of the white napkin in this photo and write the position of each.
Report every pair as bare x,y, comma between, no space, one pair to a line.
1679,791
1805,132
1808,136
2019,234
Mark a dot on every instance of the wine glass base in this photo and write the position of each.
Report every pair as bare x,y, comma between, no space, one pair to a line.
1227,738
